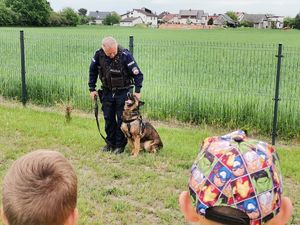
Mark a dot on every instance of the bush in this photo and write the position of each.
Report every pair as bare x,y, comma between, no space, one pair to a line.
297,21
112,19
246,24
55,19
83,19
289,22
69,17
232,15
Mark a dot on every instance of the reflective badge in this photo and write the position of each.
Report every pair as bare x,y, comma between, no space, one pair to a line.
130,63
135,71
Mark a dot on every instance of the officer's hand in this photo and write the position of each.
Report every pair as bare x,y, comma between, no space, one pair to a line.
93,94
138,95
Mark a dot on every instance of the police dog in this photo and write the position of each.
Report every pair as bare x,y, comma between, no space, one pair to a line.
140,134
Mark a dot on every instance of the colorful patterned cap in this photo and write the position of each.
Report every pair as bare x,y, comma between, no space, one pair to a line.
234,170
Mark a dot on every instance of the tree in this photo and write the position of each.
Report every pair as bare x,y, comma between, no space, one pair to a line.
82,12
232,15
297,21
112,19
210,21
32,12
288,22
55,19
7,16
69,17
246,24
83,19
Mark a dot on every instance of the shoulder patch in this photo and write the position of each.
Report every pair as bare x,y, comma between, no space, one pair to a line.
135,71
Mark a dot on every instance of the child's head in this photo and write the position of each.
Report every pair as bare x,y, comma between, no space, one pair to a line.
236,180
40,188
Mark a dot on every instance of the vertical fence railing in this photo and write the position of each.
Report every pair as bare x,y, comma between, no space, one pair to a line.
131,44
276,98
23,71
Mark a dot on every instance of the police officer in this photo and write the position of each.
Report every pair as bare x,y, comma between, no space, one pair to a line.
118,72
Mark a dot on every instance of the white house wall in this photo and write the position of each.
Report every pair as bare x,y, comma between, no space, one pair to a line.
138,14
126,24
124,16
278,21
202,21
137,21
174,20
146,19
131,24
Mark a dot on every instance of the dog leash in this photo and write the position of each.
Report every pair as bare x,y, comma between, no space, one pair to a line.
96,112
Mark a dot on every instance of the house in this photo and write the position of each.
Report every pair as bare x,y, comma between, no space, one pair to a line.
212,18
239,16
148,17
161,16
258,20
171,18
263,20
131,21
275,22
174,19
193,17
97,17
167,17
224,20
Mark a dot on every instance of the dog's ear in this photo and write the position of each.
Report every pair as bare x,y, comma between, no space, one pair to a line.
141,103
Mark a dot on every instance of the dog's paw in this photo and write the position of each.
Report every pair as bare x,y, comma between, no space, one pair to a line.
134,155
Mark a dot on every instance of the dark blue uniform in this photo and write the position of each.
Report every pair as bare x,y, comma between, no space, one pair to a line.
117,76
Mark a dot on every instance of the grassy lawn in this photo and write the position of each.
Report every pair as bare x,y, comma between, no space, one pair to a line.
121,189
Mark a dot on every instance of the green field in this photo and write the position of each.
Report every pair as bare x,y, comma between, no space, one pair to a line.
119,189
240,35
222,77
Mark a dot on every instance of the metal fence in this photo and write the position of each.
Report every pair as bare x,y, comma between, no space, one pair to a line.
224,84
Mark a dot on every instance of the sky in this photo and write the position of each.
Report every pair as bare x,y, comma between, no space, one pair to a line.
277,7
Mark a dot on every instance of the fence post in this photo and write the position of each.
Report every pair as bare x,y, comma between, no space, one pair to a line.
131,44
23,71
276,99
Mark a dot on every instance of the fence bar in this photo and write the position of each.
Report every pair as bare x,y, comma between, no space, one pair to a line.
23,71
276,99
131,43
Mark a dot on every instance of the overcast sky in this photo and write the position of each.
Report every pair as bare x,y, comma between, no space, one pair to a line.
277,7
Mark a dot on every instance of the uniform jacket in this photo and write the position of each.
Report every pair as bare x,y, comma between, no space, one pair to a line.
127,61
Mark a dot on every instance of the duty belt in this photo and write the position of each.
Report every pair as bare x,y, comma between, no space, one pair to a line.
118,89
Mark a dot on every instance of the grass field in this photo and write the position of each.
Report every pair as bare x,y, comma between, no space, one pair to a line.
222,77
121,189
241,35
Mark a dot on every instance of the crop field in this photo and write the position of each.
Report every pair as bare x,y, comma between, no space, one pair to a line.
223,77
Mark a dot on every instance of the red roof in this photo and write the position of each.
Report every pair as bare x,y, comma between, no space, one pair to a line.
168,17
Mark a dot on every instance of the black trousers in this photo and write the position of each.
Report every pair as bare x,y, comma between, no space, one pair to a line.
112,107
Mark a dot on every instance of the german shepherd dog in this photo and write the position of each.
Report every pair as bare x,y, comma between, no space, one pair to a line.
140,134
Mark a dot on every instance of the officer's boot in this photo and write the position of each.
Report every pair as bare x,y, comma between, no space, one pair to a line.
106,148
119,150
